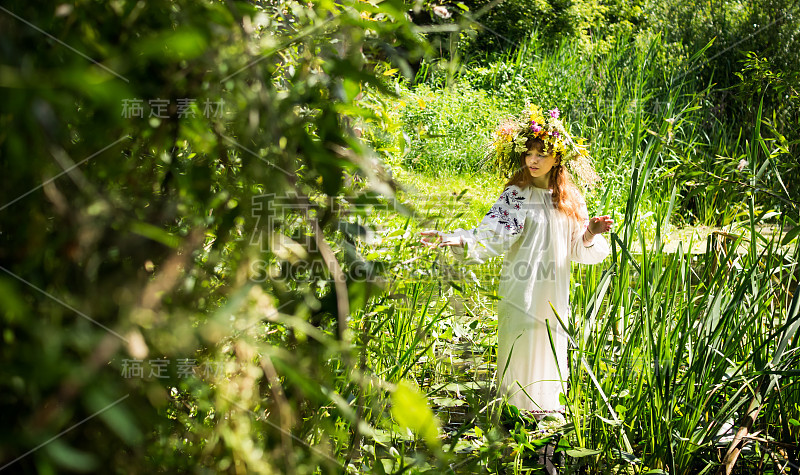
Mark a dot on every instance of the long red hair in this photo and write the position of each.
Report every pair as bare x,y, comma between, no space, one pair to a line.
566,196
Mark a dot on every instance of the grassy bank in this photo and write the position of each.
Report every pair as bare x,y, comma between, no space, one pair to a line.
673,351
670,351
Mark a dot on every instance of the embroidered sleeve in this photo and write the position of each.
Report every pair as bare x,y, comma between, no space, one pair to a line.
498,230
506,212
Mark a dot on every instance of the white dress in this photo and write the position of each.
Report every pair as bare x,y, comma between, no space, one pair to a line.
539,242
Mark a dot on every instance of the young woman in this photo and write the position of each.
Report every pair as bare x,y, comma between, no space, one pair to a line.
541,223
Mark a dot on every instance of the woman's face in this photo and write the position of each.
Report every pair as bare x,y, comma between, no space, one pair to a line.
539,162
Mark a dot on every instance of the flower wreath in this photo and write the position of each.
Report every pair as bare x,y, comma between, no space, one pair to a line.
508,143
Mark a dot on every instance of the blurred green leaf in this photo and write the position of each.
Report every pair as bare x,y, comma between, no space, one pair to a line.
118,418
70,458
410,409
185,43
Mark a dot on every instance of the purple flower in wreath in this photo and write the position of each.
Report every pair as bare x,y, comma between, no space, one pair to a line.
554,113
555,133
535,127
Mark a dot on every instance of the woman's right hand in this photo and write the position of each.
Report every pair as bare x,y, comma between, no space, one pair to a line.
440,241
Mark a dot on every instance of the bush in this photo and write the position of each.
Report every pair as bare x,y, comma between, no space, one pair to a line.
594,23
438,131
139,322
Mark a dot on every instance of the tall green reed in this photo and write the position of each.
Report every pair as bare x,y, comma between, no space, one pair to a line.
702,337
670,348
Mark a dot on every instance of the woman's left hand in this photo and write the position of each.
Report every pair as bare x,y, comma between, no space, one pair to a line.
600,224
439,241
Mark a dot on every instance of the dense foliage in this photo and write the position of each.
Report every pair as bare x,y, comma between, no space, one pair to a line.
507,24
142,144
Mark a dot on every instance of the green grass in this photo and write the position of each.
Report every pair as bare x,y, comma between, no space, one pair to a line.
667,346
670,345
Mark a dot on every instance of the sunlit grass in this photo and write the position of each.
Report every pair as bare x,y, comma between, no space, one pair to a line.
672,336
667,349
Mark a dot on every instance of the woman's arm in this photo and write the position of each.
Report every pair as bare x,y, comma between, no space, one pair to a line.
588,246
441,239
498,230
597,225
